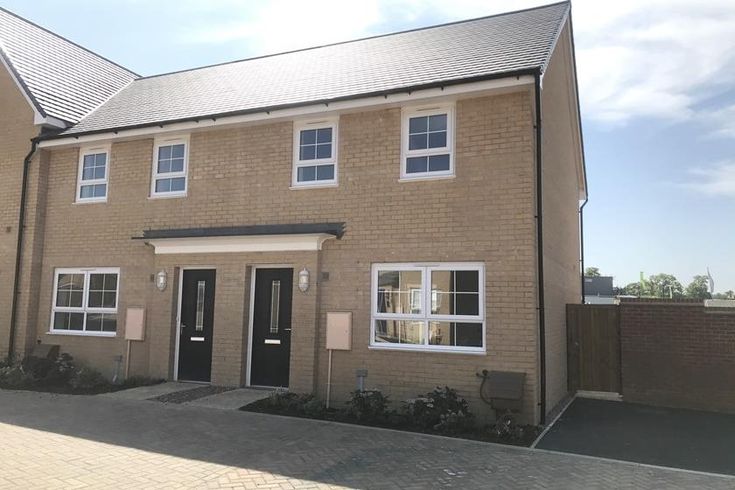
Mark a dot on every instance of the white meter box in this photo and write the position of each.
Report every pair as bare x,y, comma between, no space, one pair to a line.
339,330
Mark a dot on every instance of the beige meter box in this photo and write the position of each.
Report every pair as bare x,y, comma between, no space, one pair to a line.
135,324
339,330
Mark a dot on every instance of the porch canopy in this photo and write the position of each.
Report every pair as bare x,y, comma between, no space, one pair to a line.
247,238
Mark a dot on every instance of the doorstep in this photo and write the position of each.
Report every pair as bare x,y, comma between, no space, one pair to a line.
232,399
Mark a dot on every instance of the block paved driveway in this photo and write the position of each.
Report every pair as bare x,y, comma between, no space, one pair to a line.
57,441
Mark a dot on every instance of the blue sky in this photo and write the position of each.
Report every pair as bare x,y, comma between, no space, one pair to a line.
657,85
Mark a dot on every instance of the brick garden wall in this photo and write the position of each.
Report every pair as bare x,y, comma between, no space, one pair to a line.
678,354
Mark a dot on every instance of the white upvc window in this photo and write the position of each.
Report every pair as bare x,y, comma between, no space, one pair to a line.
93,174
427,142
315,153
170,167
436,307
85,301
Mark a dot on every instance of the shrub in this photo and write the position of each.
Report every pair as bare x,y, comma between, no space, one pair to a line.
313,407
283,401
506,429
88,379
63,370
13,376
368,406
61,374
441,409
455,422
38,367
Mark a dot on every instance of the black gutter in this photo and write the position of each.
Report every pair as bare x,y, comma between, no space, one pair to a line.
326,102
581,244
19,246
540,250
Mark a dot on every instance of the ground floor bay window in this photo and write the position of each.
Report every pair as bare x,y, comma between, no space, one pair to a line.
428,307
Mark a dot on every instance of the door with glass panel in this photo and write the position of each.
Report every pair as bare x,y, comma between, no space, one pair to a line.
271,347
196,325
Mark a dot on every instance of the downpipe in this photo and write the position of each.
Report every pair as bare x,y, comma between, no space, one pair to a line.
19,247
540,251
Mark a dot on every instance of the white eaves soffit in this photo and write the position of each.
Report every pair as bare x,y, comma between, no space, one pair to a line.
243,243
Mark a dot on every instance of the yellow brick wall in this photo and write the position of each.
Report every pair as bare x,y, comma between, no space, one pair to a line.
561,221
16,131
242,176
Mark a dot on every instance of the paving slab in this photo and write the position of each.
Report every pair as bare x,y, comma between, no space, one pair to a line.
675,437
231,400
63,441
148,392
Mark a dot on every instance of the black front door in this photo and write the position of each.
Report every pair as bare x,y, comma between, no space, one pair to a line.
197,325
271,349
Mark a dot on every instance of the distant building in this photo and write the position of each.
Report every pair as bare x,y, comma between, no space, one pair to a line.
598,290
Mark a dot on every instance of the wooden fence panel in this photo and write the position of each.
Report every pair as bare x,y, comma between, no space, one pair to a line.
593,348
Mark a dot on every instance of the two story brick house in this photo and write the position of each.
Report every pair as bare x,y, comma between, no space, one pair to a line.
427,182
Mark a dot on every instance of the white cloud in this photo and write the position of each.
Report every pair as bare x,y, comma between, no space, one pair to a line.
723,119
653,59
658,58
284,25
714,180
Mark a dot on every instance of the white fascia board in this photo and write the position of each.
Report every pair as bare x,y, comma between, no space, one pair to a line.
450,92
233,244
36,115
40,120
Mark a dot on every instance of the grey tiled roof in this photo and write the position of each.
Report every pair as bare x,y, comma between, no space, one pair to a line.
486,47
62,79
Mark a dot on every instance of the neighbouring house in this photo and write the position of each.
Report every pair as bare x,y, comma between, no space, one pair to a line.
598,290
428,182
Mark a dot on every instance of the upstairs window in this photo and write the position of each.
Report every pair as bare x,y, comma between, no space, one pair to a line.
439,307
85,301
315,154
170,165
93,174
427,143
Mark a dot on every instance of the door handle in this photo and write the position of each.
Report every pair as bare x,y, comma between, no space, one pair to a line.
183,325
286,329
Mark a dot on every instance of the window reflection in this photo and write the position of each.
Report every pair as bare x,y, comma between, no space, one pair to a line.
399,331
399,292
455,292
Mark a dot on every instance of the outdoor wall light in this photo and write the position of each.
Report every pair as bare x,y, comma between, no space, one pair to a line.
161,280
304,280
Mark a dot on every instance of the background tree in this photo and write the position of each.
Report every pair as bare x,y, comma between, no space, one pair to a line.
665,286
592,272
699,288
726,295
633,289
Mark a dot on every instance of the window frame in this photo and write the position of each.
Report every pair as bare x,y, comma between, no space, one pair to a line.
426,316
84,309
93,150
155,175
298,126
409,112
